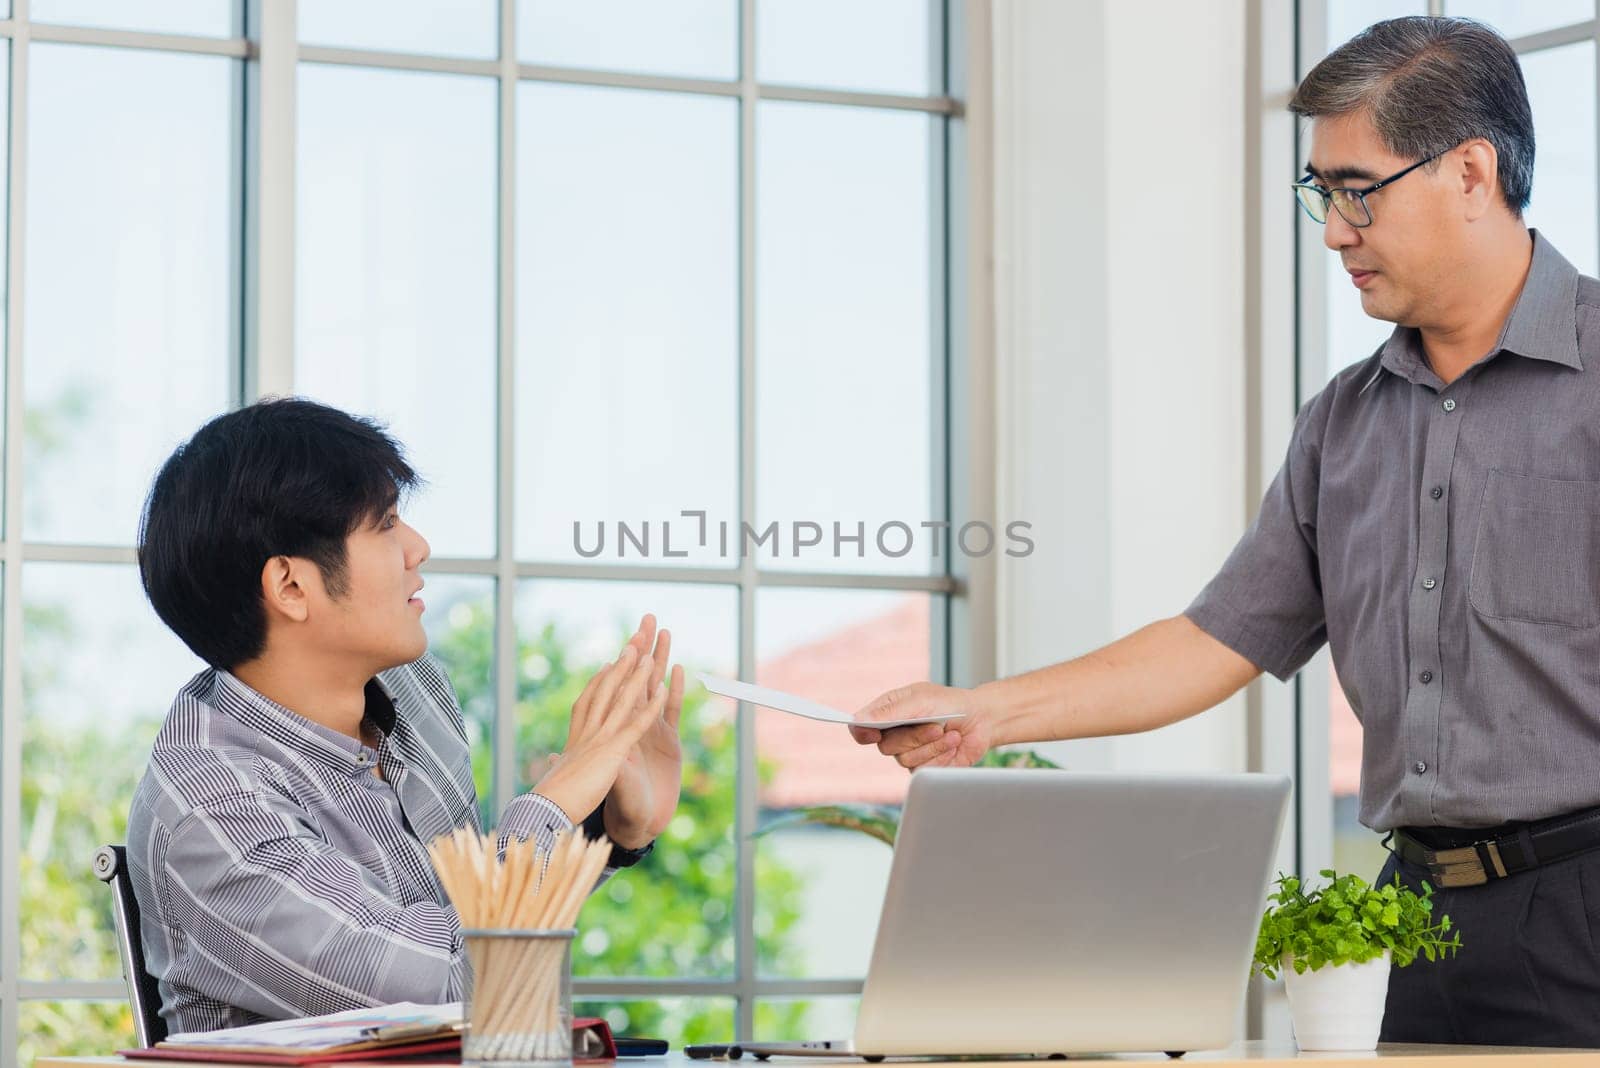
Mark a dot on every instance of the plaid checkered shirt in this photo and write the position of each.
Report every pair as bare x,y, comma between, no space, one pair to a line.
277,876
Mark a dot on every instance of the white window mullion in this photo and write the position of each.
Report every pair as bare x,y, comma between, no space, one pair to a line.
11,710
505,659
746,799
269,200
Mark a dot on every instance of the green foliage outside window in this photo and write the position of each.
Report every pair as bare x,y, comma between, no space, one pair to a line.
75,797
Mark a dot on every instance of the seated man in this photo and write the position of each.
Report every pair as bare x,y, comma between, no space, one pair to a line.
277,843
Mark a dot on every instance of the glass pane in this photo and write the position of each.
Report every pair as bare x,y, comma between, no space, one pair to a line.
469,28
395,280
692,38
884,46
673,915
628,328
678,1020
202,18
1346,18
1515,18
1564,190
72,1028
818,888
459,619
131,315
99,673
844,357
805,1019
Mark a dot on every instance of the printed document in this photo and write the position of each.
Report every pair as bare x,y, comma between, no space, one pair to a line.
799,706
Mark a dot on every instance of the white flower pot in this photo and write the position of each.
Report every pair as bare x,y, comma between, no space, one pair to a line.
1338,1008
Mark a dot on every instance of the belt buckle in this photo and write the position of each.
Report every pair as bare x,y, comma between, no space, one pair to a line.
1457,867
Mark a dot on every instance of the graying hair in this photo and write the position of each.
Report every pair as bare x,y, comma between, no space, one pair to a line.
1428,83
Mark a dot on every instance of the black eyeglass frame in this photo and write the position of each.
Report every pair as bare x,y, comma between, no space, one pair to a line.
1306,186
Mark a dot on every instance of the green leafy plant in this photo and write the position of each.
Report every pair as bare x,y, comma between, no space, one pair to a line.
883,821
1016,758
1349,922
876,821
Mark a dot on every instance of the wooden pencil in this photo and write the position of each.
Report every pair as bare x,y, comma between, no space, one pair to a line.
517,1007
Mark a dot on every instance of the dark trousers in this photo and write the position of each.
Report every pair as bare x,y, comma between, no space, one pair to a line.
1528,972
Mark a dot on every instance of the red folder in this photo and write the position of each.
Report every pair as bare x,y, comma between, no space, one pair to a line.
448,1050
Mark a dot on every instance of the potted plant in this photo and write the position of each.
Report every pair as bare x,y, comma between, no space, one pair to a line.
883,821
1335,947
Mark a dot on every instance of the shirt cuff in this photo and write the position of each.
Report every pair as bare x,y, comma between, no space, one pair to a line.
1237,630
535,816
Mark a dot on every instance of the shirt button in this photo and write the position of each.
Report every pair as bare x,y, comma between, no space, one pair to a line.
1428,584
1420,767
362,759
1450,405
1436,492
1426,677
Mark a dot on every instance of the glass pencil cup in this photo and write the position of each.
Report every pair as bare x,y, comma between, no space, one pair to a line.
519,1012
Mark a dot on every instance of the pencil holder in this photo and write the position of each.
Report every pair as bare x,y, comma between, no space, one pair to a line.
519,1012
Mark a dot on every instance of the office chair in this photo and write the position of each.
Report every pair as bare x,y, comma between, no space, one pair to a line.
111,866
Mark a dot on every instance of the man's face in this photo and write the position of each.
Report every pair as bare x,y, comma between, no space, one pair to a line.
1399,261
379,617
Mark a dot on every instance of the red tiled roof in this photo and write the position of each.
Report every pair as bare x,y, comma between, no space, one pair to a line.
818,763
1344,742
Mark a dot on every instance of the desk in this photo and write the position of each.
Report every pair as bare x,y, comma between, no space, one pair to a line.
1250,1054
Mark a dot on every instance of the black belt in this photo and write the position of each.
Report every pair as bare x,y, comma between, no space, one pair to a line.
1499,852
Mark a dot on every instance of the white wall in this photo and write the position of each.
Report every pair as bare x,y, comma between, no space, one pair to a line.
1120,360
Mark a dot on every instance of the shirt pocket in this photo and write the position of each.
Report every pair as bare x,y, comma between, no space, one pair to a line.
1537,554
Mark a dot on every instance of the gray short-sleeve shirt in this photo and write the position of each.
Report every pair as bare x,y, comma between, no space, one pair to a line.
1445,542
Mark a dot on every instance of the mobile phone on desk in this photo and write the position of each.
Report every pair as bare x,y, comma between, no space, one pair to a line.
641,1047
713,1052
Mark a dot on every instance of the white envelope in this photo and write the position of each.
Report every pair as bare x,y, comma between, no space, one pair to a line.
799,706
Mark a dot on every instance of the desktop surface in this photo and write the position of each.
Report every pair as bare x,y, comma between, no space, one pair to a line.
1252,1054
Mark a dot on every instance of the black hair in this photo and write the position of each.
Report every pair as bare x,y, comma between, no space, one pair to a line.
1429,83
284,477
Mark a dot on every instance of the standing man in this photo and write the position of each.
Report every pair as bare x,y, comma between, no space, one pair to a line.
1436,522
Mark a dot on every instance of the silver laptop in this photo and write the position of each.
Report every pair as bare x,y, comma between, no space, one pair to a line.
1056,912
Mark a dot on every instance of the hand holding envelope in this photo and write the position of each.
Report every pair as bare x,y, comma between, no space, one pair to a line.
799,706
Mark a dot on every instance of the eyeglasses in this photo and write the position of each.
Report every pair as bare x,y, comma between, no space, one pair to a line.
1351,203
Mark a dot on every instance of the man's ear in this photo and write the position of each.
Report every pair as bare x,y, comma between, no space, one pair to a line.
1480,177
283,588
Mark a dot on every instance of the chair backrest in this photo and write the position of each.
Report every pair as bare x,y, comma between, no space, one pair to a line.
111,866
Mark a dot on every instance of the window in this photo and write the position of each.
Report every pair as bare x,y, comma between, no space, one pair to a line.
146,242
595,276
845,647
395,275
628,294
